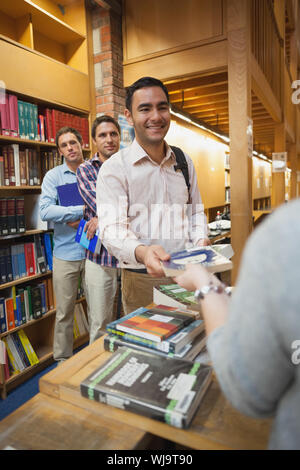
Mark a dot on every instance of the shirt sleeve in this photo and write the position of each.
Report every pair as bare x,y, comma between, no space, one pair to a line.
87,186
251,353
112,208
197,217
49,210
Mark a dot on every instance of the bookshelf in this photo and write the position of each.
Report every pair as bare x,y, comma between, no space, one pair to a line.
44,58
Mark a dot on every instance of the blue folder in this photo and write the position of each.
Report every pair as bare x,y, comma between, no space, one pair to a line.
69,195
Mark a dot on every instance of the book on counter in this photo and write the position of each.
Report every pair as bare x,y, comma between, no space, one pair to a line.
154,324
162,388
173,295
203,255
188,351
69,195
93,245
172,344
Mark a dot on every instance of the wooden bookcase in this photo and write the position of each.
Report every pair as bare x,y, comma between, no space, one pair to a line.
44,61
40,331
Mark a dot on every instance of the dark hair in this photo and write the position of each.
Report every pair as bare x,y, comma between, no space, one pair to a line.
101,119
143,82
65,130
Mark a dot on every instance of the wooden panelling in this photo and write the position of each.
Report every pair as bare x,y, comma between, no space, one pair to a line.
209,57
156,27
35,75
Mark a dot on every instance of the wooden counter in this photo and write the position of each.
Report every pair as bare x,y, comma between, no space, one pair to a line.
216,425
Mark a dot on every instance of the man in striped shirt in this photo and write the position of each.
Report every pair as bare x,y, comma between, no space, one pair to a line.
100,270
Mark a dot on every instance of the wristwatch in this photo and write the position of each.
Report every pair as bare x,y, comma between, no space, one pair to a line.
219,289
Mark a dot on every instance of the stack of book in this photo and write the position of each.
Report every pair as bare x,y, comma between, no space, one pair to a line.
163,330
151,370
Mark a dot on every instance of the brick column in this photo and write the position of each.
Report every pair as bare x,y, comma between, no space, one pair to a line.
108,67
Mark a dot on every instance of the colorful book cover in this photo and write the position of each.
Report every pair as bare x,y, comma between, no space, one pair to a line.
154,324
162,388
166,346
175,296
204,255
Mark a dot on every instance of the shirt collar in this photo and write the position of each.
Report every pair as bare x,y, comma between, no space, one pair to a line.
66,169
137,152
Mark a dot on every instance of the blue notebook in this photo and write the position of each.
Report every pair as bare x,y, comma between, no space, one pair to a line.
93,245
69,195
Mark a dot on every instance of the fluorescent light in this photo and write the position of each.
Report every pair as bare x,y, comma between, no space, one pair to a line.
181,116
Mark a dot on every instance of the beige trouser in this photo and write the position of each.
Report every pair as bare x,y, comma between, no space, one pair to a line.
137,289
101,288
65,284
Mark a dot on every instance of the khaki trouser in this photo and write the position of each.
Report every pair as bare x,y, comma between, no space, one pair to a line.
101,288
65,284
137,289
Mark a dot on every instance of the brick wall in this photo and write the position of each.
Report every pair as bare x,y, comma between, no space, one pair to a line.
108,56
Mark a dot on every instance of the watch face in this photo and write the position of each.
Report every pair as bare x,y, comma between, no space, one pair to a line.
205,289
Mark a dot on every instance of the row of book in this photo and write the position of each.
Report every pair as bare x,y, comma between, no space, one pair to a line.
25,304
26,259
19,167
50,159
27,120
18,353
12,215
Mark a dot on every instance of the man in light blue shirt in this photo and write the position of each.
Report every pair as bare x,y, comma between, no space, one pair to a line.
68,255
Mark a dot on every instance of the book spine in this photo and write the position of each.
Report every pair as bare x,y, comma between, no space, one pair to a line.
6,165
12,360
21,351
163,346
20,214
11,216
3,217
3,325
30,349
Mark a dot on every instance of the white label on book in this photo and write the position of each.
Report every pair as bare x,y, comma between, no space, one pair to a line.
162,318
175,419
185,402
182,385
178,337
176,291
115,401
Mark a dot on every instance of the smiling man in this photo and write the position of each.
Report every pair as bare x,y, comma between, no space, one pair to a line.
145,207
100,269
68,256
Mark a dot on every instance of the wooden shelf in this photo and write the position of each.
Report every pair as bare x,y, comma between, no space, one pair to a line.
27,233
20,188
22,280
17,140
42,21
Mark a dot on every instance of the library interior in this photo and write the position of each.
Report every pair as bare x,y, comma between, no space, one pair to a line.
232,72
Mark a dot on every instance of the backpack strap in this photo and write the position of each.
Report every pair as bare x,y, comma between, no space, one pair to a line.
181,164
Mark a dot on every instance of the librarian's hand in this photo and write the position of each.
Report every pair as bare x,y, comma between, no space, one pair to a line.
151,256
91,227
194,277
74,225
203,242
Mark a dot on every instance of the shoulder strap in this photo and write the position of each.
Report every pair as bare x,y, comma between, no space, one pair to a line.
181,164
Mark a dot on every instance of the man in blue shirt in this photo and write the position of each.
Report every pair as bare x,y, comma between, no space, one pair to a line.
68,256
